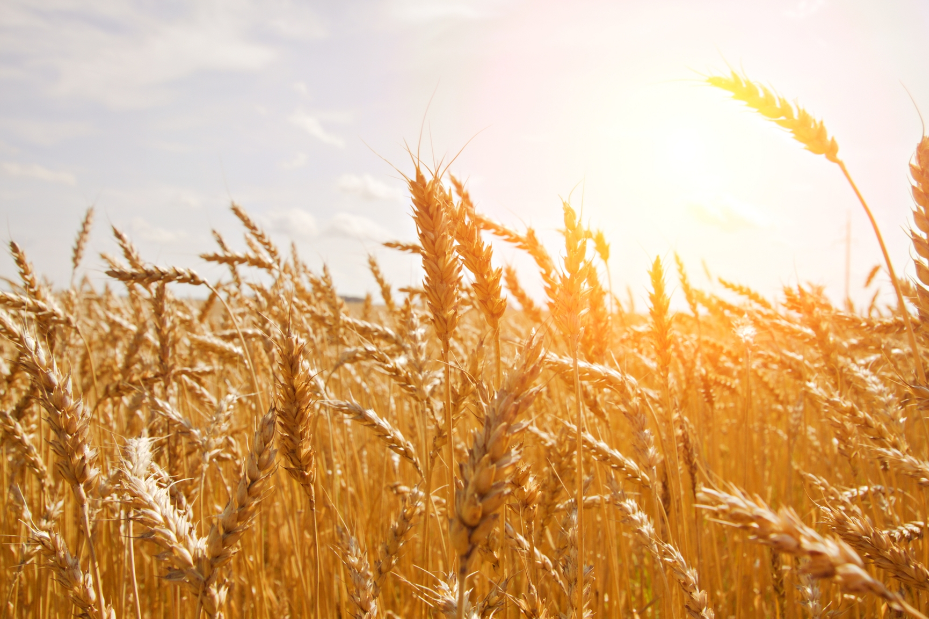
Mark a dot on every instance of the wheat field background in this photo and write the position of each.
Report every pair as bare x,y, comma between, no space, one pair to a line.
459,449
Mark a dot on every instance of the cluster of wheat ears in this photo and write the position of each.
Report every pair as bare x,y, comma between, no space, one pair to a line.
456,450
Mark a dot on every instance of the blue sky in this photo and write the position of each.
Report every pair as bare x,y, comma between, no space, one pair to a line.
160,113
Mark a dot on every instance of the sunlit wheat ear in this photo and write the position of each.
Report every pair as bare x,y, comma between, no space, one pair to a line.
570,301
876,546
130,253
804,128
148,275
435,227
615,460
661,318
476,257
919,170
596,338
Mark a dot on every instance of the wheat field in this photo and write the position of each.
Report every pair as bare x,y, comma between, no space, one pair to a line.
460,449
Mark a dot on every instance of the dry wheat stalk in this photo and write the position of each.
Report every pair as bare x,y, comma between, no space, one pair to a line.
536,556
69,421
432,207
804,128
576,575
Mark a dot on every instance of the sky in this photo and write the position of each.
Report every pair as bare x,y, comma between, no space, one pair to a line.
160,113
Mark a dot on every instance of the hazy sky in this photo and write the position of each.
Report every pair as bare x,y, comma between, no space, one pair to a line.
161,112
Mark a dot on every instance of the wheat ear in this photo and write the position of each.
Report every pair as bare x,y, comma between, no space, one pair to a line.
362,591
696,601
786,533
919,170
81,241
485,475
612,458
401,531
222,542
68,574
294,398
69,422
435,228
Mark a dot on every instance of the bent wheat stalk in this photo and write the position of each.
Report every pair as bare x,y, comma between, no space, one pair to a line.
812,134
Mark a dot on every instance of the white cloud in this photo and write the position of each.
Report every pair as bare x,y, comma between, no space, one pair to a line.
294,223
292,19
728,214
149,232
37,172
367,187
424,11
125,55
44,132
314,127
298,161
356,227
805,8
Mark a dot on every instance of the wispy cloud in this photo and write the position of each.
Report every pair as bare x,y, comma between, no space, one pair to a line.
356,227
126,55
155,234
367,187
44,132
728,214
294,223
313,126
805,8
298,161
37,172
424,11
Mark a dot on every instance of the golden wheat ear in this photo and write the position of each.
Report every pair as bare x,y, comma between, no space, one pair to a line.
801,124
919,233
